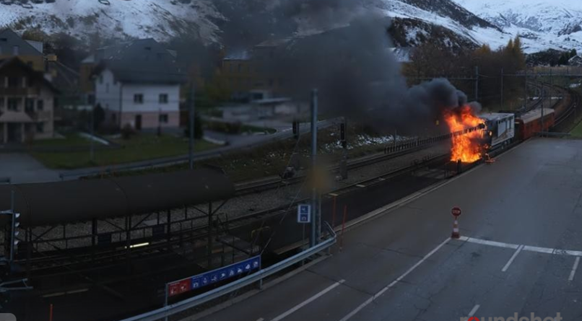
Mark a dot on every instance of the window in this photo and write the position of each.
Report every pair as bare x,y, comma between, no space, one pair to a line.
16,50
113,117
13,82
138,98
2,102
40,127
163,98
29,105
164,118
40,104
13,104
107,87
270,82
28,63
101,79
239,68
24,82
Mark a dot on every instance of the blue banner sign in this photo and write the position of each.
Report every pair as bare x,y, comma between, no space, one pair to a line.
214,276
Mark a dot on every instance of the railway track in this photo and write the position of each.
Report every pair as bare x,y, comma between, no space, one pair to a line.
390,152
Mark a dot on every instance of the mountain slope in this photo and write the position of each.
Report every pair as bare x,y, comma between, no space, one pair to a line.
543,24
246,22
120,19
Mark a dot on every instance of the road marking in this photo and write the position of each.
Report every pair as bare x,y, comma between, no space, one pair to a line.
260,319
333,194
574,268
381,179
306,302
472,313
371,299
537,249
361,185
512,258
489,243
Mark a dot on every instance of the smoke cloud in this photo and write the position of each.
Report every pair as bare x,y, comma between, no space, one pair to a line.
341,47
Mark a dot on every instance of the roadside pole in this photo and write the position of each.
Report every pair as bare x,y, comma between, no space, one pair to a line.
314,196
191,127
92,131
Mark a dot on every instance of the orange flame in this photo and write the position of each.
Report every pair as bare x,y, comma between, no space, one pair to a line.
466,145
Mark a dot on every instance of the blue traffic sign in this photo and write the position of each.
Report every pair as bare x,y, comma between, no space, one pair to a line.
304,213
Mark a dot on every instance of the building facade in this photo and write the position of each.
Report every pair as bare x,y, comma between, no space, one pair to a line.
140,105
26,103
140,87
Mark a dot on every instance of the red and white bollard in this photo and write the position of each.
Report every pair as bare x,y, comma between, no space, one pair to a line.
456,234
456,211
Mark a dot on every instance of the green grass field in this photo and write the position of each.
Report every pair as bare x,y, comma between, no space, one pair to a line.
577,131
69,140
138,148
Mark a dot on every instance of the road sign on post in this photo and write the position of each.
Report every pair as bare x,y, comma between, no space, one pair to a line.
456,211
304,213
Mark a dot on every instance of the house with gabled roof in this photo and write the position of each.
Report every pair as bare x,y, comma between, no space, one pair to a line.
138,84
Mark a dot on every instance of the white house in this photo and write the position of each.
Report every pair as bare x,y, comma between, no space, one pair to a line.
140,87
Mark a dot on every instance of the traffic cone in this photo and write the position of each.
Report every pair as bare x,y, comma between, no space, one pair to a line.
456,234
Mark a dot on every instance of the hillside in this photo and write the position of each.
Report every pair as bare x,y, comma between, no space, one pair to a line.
542,24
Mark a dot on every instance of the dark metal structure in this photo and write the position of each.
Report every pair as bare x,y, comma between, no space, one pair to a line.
79,201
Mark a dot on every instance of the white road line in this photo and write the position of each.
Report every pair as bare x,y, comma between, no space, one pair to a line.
361,185
370,300
512,258
537,249
489,243
574,268
260,319
333,194
306,302
472,313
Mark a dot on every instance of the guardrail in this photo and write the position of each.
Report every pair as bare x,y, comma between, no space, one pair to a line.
195,301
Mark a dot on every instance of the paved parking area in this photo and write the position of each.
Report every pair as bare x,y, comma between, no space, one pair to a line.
23,168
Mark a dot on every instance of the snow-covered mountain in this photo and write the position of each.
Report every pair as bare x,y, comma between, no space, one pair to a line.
218,21
544,24
114,18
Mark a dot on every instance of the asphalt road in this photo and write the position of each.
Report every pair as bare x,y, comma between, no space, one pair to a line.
519,252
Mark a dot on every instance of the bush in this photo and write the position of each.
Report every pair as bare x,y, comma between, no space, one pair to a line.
127,132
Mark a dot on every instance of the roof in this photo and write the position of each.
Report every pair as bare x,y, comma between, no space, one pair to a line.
496,116
36,74
45,204
142,61
239,55
9,39
9,116
535,114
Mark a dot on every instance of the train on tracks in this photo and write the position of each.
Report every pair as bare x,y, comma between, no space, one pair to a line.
506,128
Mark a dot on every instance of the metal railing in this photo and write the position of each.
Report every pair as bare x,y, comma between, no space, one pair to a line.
195,301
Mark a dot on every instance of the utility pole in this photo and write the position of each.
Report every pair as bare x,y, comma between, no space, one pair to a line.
542,119
314,197
92,131
501,102
525,90
191,127
476,83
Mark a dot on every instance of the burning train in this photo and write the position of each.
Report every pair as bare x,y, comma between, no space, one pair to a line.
475,135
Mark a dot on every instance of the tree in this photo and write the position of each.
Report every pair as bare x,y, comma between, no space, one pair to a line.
573,53
98,115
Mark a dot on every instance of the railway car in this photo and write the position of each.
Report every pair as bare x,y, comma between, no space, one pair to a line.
500,129
531,122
